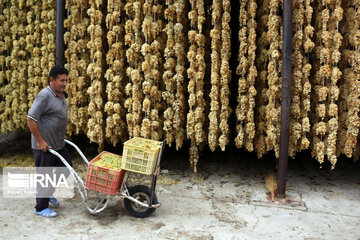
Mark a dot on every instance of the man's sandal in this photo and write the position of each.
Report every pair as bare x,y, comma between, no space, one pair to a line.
54,202
47,212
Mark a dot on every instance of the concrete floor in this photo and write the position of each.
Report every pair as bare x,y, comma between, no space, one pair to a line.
227,200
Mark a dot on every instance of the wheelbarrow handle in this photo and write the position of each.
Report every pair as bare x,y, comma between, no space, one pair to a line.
79,151
79,182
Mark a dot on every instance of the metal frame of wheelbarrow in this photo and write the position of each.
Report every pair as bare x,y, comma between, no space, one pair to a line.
104,200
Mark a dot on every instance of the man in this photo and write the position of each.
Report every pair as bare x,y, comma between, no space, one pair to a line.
47,121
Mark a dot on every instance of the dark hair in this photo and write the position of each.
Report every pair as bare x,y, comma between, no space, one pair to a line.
58,70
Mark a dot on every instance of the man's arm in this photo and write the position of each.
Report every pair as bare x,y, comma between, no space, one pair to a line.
34,129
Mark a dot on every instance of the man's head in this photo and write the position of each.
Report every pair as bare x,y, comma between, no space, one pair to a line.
58,79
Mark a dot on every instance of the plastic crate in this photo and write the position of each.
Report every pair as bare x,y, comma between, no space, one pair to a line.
103,179
139,155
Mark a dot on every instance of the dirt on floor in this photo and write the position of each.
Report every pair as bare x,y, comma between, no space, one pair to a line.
226,199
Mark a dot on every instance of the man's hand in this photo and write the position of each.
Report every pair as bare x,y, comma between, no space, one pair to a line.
34,129
43,146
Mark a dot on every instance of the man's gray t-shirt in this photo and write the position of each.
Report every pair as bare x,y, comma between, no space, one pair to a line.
50,113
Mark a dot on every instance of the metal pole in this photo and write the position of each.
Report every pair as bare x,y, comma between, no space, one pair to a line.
60,12
285,99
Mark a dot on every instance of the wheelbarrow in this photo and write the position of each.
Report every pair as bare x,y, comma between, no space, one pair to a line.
139,200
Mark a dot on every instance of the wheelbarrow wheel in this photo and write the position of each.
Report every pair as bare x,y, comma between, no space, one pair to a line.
143,194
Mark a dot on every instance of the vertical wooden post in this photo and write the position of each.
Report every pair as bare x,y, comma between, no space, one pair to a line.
285,98
60,10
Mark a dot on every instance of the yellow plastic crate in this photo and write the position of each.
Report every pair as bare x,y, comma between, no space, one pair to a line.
139,155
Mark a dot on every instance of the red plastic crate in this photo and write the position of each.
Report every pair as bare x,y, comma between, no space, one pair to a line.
103,179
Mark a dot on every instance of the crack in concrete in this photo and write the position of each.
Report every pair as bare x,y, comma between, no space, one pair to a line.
257,219
301,199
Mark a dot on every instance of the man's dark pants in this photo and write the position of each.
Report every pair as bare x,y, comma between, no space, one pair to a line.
47,159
